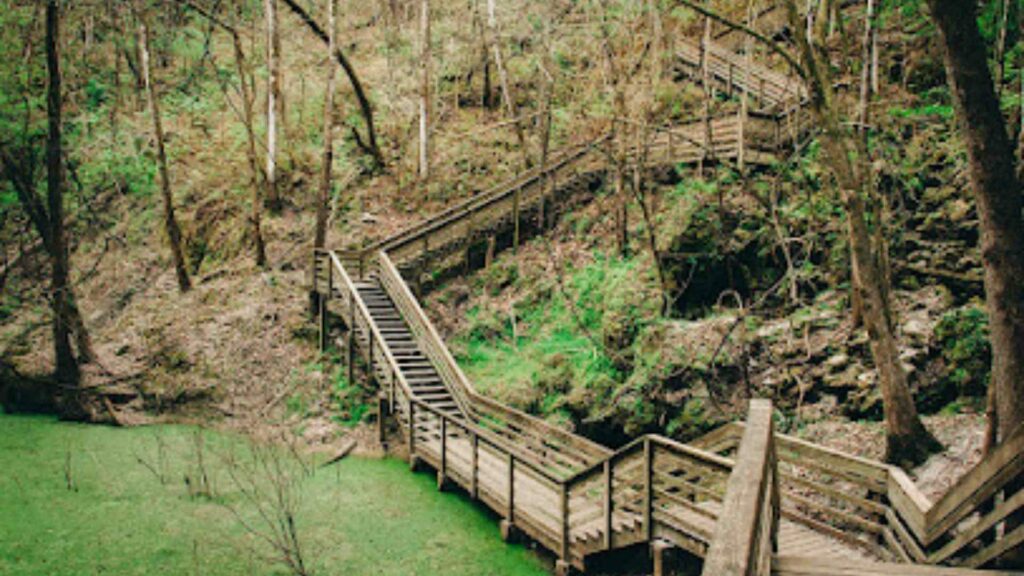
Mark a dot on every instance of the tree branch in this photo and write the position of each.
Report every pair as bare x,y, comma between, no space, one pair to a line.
364,103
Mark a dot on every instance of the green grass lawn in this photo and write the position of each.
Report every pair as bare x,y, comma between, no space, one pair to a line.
356,517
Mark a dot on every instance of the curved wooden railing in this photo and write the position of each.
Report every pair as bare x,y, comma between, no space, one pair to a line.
878,508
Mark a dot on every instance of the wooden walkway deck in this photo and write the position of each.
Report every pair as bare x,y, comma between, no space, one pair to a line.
747,500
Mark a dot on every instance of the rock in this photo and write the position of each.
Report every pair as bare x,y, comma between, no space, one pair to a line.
837,361
917,328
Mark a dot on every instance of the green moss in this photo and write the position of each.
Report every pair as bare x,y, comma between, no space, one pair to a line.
356,517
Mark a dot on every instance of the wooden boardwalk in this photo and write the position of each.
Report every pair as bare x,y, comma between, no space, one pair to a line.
747,500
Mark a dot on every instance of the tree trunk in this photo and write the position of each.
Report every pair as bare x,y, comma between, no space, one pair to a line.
273,91
170,222
908,442
997,192
866,85
705,57
506,91
66,365
320,237
247,96
424,149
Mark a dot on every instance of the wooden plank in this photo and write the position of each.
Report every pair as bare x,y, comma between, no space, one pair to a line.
1000,512
734,549
1003,545
799,566
1006,461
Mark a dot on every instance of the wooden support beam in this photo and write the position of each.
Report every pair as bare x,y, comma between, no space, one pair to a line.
659,549
489,256
515,217
322,322
412,434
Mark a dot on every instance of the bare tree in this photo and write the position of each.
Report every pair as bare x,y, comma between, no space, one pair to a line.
424,150
368,143
273,95
267,480
494,39
171,227
907,440
247,91
320,235
49,221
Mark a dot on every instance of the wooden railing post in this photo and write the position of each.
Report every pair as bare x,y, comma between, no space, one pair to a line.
372,375
351,346
412,431
648,489
565,521
322,310
608,504
391,391
474,490
443,472
511,489
515,216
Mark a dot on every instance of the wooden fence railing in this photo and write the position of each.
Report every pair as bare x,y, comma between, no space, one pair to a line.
731,72
878,508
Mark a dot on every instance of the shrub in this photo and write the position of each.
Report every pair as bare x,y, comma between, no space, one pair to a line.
962,338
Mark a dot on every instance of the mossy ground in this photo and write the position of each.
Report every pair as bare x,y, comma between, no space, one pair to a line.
356,517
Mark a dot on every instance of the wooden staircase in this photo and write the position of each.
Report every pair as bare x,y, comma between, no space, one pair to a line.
746,499
415,368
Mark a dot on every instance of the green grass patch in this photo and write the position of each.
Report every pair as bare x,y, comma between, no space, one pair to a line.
356,517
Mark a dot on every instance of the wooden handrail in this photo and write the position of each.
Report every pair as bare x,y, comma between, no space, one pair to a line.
499,191
746,532
453,376
423,328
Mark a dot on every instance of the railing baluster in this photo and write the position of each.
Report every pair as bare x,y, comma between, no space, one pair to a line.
608,504
443,472
412,429
511,488
565,521
648,488
473,488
